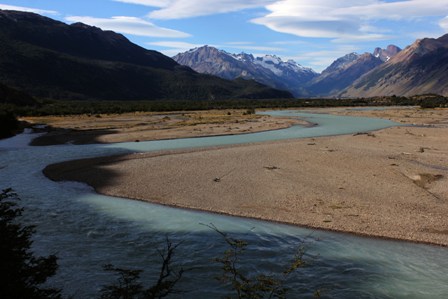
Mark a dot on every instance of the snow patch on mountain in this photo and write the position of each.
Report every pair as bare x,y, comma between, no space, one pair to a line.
269,64
272,63
268,69
279,67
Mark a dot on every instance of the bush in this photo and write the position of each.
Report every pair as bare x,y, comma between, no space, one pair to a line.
8,124
21,273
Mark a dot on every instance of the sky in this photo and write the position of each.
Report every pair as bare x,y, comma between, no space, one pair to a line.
314,33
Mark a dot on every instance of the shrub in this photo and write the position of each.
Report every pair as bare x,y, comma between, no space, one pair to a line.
21,273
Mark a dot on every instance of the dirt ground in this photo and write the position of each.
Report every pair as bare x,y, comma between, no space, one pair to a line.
391,183
82,129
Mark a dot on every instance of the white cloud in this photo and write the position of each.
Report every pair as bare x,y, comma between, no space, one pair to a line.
175,44
347,20
179,9
424,34
152,3
444,24
129,25
28,9
239,43
369,37
292,43
250,47
398,10
344,20
309,28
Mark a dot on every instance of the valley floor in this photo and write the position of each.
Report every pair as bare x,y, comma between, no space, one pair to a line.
142,126
391,183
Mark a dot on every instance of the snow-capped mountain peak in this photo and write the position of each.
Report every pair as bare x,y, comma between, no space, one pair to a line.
268,69
244,57
278,66
272,58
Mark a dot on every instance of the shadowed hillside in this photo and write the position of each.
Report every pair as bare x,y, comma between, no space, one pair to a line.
51,59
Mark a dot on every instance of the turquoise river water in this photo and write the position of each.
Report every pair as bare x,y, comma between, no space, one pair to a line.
86,230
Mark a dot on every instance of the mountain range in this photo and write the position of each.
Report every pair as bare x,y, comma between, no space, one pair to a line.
50,59
420,68
269,69
273,71
344,71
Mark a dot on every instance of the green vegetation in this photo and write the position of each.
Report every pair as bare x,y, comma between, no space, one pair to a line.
8,124
432,101
13,96
21,273
50,107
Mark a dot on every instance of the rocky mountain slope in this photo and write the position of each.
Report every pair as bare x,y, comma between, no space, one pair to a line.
270,69
386,54
50,59
420,68
344,71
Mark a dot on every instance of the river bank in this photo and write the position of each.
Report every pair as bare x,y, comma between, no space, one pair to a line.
391,183
144,126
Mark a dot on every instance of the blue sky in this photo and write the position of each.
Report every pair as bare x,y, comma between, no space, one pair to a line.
312,32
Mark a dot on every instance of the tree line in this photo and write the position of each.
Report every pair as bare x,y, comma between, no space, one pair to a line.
52,107
9,112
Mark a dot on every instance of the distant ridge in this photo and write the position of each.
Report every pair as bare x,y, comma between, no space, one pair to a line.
50,59
269,69
344,71
420,68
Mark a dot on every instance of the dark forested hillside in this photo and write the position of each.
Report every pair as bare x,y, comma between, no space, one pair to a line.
50,59
12,96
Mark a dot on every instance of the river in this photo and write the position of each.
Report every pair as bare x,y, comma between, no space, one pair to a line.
86,230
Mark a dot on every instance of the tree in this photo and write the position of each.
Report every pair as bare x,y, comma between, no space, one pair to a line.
8,124
21,273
